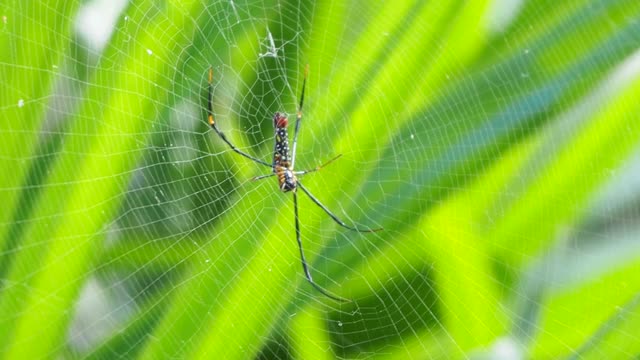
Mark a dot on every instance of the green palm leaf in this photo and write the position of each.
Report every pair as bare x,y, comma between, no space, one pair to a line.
494,141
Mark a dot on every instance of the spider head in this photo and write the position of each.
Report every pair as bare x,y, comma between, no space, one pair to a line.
286,178
280,120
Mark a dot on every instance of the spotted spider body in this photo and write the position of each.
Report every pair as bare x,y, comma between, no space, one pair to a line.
282,168
281,159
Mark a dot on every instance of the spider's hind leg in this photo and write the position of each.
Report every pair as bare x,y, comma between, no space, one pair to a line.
317,167
212,123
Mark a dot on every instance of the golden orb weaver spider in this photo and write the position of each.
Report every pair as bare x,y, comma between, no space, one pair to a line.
282,168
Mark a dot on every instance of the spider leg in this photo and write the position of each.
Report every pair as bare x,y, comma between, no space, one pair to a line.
305,267
263,177
317,167
332,215
299,117
212,123
302,172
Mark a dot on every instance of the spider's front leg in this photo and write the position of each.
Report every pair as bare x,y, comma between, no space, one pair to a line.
303,260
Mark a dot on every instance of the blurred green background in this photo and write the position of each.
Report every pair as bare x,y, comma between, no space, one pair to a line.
495,141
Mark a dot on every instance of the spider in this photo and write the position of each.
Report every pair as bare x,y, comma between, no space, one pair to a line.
282,168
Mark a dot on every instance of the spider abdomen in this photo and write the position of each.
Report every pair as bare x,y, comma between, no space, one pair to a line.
281,161
281,145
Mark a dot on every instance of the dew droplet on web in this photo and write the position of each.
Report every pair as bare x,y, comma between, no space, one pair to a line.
340,323
149,52
21,103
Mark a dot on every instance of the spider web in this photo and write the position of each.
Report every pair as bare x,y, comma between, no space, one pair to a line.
495,142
